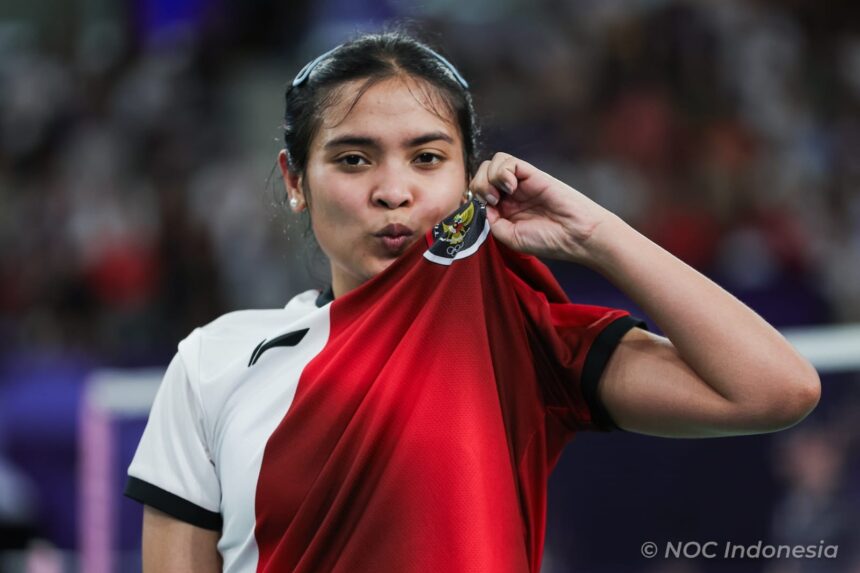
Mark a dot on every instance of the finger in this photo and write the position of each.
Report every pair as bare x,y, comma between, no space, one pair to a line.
480,185
502,172
502,229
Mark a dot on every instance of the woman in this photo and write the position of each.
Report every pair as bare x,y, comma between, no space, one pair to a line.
441,462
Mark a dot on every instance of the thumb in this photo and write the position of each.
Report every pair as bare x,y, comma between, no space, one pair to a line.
502,229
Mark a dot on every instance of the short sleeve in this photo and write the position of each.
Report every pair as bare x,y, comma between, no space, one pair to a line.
582,339
172,469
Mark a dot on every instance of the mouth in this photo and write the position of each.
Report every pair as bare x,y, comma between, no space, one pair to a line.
394,238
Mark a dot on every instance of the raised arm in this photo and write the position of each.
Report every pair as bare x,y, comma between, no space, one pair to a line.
720,370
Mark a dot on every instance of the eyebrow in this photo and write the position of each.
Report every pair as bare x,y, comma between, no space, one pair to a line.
365,141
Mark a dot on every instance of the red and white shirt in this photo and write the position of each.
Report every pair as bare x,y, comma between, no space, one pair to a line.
410,425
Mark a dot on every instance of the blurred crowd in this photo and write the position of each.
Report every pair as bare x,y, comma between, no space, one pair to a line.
139,196
135,171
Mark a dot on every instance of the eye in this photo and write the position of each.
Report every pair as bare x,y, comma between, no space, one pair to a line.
428,158
352,160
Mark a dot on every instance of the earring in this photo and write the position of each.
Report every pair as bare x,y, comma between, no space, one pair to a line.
294,203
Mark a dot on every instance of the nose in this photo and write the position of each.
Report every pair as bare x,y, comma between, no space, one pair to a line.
392,190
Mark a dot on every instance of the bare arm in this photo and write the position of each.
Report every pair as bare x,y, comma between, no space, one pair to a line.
173,546
649,388
720,370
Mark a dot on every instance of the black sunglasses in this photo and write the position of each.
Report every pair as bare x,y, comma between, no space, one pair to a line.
306,71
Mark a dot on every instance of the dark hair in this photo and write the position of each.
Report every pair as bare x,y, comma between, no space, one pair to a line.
373,57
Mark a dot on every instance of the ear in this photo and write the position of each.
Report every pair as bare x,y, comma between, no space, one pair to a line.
292,183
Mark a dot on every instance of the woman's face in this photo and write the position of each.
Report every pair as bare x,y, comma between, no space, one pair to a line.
379,175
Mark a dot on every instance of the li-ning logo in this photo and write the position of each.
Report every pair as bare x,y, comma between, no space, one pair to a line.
460,234
288,339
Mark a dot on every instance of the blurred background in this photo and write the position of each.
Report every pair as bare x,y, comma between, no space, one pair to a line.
137,201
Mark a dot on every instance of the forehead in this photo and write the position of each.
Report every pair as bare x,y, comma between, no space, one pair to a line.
398,105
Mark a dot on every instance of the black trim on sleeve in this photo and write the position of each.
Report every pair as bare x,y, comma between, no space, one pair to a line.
598,355
171,504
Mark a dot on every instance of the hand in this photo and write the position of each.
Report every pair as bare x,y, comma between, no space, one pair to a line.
534,212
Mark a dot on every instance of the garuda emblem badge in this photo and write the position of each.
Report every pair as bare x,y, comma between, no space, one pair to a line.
460,234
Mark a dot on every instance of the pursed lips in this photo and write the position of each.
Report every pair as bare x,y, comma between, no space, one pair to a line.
395,230
394,238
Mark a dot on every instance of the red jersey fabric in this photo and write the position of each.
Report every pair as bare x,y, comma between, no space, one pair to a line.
422,435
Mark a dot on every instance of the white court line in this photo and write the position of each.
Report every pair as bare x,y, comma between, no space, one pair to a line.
829,348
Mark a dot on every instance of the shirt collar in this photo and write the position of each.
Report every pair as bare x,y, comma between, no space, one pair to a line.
325,297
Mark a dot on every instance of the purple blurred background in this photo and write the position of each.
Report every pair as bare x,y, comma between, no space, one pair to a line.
137,144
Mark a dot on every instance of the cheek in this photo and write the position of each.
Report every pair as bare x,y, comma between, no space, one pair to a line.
446,202
330,212
334,204
333,226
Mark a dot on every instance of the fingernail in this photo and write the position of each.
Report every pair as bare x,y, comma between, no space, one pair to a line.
505,187
491,199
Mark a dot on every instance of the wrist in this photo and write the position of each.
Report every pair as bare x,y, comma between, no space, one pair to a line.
605,242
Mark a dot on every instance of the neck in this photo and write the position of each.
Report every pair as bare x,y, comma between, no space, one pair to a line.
342,283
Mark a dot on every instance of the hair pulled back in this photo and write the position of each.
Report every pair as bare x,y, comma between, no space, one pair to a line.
373,57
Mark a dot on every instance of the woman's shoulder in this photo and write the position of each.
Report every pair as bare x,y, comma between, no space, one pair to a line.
233,335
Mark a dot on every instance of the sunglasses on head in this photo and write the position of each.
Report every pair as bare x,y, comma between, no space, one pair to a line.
308,69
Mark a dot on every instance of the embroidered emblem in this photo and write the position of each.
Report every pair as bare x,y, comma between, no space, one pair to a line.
460,234
455,232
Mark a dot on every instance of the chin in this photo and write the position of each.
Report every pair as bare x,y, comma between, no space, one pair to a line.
380,265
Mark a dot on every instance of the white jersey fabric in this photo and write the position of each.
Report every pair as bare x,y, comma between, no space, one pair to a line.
204,471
